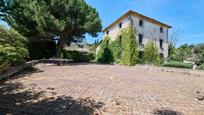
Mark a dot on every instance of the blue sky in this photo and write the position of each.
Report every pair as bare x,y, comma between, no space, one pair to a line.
184,15
187,16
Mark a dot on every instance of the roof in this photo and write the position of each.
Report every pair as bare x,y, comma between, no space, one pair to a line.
133,13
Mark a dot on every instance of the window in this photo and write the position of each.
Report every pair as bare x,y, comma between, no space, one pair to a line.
140,38
107,32
141,54
120,38
161,30
161,43
161,55
107,43
141,23
120,25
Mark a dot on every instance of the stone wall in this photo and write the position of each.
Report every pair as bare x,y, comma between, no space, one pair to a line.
13,70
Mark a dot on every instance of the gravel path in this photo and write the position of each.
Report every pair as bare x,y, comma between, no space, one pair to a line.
86,89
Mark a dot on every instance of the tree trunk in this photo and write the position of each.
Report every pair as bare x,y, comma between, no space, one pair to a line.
60,46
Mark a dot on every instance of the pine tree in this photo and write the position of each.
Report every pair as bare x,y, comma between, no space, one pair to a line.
66,20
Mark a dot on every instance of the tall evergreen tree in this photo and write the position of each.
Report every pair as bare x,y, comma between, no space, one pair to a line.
65,20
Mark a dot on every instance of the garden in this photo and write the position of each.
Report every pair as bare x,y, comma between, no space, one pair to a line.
42,32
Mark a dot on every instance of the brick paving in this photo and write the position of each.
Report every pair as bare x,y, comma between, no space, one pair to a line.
86,89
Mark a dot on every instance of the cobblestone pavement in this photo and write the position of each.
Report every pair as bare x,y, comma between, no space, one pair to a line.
86,89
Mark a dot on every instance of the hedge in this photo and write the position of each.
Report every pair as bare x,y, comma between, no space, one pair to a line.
201,67
178,64
13,49
105,54
78,56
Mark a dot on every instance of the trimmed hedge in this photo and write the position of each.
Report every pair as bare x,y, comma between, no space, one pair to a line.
178,64
77,56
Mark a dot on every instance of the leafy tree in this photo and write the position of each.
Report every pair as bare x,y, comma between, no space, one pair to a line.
172,40
182,53
116,49
129,55
198,51
105,55
151,53
65,20
12,48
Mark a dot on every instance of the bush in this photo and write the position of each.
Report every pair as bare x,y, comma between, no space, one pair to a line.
78,56
105,55
129,55
178,64
12,48
42,49
151,53
116,49
201,67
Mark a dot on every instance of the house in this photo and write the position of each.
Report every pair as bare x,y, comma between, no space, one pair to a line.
146,29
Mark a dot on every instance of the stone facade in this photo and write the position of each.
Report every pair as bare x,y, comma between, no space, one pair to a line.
146,29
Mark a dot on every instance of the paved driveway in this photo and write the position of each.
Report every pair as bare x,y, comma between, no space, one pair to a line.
85,89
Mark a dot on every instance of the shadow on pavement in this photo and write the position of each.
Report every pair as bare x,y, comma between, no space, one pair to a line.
15,99
166,112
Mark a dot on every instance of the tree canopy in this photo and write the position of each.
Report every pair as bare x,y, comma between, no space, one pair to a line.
66,20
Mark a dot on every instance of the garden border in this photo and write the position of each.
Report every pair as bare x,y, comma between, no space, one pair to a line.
173,70
14,70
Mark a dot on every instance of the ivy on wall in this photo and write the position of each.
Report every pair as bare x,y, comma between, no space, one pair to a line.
129,55
123,50
116,49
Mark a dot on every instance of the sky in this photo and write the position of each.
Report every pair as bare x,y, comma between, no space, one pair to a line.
185,16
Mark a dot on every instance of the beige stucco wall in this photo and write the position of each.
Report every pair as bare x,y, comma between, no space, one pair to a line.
114,31
149,31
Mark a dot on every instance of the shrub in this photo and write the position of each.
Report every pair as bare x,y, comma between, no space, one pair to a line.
12,48
201,67
151,53
116,49
178,64
41,49
129,55
105,55
78,56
